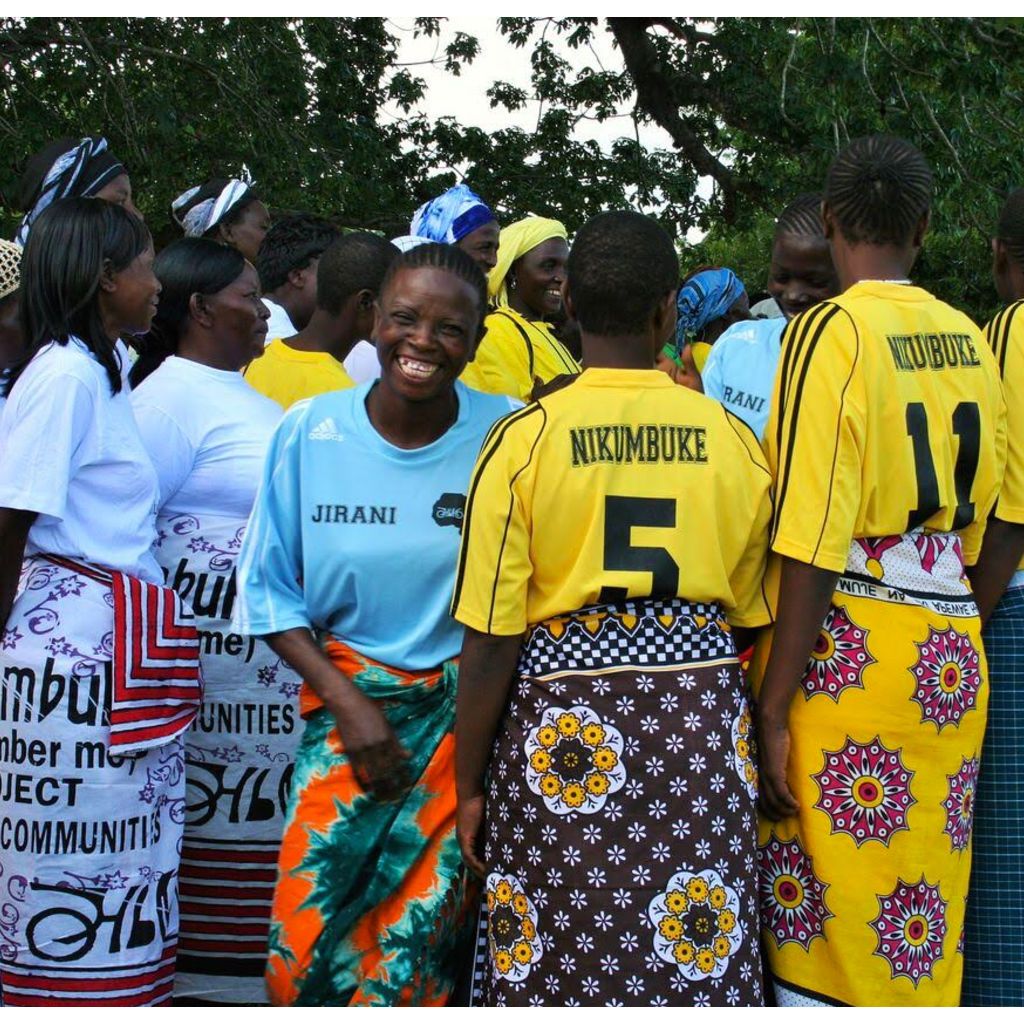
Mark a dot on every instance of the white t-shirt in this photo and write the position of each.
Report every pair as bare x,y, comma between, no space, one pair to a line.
280,323
71,451
362,364
206,432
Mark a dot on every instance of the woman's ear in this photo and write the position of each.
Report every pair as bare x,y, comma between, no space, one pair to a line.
828,219
199,309
107,277
922,229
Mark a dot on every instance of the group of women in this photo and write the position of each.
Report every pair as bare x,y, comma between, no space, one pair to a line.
429,689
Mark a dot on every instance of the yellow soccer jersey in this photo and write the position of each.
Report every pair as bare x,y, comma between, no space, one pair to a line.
620,485
287,375
514,351
886,416
1006,336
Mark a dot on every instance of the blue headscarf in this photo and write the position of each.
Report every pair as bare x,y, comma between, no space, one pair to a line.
705,297
451,216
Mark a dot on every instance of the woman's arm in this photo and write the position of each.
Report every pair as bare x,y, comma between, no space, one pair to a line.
804,595
378,759
14,527
485,674
1001,553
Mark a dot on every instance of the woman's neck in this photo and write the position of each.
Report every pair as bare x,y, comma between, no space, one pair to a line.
521,308
206,352
408,424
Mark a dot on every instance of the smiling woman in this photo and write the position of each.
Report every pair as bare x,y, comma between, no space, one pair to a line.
519,347
354,538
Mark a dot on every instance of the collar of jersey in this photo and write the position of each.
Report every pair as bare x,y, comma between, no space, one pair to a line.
606,376
890,291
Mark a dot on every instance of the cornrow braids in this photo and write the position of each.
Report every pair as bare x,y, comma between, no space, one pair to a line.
879,187
802,217
442,257
1010,230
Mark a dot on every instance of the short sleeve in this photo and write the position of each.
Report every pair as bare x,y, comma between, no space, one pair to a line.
814,439
751,607
169,449
501,363
1006,337
271,598
45,434
494,560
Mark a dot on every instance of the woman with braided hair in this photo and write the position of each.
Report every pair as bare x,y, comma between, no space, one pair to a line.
740,369
992,957
347,570
886,439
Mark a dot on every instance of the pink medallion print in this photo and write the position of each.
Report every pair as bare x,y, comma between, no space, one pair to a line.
838,658
792,896
874,548
930,548
959,803
911,928
865,790
947,677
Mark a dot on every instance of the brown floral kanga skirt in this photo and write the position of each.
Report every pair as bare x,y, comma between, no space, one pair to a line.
621,831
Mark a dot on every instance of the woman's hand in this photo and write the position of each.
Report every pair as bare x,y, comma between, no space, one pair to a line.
777,800
378,759
469,821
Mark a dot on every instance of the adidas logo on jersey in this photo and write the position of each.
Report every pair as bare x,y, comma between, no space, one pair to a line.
326,430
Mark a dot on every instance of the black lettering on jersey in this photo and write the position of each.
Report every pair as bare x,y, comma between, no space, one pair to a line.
382,515
912,352
626,444
448,510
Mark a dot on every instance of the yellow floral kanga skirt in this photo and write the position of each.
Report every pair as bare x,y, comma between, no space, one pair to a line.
863,892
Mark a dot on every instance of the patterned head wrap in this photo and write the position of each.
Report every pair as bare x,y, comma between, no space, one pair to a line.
406,242
451,216
705,297
65,168
517,240
10,268
205,206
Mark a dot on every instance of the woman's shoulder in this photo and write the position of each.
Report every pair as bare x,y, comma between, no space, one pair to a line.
58,362
483,408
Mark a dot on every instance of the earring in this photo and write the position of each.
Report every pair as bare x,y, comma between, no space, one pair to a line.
513,284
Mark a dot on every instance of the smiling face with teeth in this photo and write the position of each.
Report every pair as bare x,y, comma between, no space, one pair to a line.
538,276
426,329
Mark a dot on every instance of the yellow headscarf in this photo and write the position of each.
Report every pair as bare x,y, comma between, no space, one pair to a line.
517,240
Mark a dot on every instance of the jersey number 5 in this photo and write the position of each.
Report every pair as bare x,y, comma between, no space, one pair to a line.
967,427
620,516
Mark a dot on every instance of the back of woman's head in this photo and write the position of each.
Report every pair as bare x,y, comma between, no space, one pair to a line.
1010,229
621,266
878,189
72,244
187,267
442,257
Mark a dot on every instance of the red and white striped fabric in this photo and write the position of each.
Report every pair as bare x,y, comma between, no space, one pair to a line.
157,686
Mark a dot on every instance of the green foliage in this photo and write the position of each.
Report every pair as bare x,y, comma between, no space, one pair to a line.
756,106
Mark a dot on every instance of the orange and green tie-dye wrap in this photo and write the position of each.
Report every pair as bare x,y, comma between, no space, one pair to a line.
372,905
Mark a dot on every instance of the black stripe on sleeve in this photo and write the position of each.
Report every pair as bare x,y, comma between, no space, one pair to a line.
791,342
491,445
828,311
508,516
835,446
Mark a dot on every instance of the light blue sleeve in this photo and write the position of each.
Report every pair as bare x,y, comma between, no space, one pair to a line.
711,375
269,568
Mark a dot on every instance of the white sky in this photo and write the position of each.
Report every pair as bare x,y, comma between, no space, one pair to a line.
465,97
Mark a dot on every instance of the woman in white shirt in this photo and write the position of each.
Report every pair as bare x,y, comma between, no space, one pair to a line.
99,672
206,431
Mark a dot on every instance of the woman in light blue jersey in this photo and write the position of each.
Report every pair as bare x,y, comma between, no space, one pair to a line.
347,569
740,370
